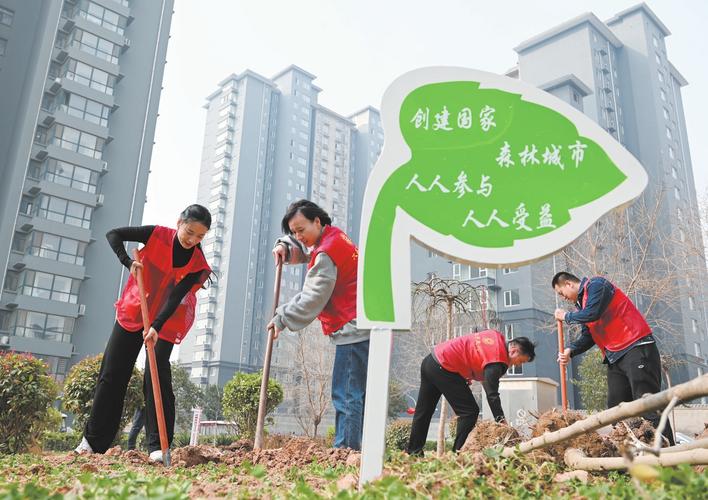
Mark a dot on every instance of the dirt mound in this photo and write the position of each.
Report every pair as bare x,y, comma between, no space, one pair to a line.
298,452
591,443
241,444
487,434
642,430
189,456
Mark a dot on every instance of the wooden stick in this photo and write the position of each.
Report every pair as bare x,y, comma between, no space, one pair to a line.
563,375
576,459
262,401
154,377
687,391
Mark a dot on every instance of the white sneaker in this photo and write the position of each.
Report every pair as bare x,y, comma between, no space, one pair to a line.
156,456
84,447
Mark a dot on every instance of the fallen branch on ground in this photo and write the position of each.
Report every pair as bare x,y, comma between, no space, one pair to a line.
687,391
576,459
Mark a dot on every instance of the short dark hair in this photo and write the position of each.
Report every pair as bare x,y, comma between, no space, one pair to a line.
196,213
563,276
309,210
527,347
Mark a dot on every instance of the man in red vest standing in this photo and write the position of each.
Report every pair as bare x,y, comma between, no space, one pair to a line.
328,294
453,365
611,321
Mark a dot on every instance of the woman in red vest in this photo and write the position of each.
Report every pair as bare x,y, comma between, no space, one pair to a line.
612,322
453,365
174,268
328,294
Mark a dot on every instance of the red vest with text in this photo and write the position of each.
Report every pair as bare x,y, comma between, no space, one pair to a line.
620,325
469,354
160,278
341,307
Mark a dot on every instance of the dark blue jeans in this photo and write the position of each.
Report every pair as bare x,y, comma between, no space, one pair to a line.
349,392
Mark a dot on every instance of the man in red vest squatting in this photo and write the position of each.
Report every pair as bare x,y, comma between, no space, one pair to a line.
328,294
612,322
453,365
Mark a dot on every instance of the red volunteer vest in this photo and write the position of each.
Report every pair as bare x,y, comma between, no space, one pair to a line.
620,325
160,278
341,307
469,354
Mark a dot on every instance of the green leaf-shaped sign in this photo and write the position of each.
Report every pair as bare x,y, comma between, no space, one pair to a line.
484,169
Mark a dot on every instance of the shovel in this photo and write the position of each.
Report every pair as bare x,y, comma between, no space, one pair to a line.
258,440
150,347
561,348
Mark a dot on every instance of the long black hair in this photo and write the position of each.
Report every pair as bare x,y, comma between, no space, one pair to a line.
308,209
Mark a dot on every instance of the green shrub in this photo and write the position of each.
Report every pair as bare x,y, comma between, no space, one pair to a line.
397,434
240,401
331,433
80,386
26,394
60,441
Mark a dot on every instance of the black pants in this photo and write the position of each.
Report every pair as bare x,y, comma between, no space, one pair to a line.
637,373
434,381
116,368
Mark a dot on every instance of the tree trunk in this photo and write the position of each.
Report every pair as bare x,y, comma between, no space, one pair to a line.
576,459
687,391
443,402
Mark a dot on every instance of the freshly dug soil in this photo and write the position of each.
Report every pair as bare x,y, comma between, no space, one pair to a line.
592,444
487,434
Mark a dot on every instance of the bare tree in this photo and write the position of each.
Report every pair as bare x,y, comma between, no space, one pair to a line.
309,390
451,298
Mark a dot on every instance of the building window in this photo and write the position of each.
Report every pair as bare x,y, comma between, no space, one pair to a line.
509,331
91,77
3,46
660,75
96,46
51,287
657,57
38,325
666,114
511,298
59,248
70,175
86,109
64,211
102,16
78,141
655,41
697,349
509,270
694,326
674,172
677,193
669,135
662,93
672,155
6,16
691,303
482,272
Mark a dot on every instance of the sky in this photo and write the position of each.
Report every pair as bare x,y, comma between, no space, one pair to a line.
357,48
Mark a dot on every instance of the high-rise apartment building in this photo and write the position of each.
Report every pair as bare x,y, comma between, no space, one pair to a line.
80,85
267,143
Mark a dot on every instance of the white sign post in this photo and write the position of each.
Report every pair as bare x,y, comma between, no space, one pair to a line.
196,422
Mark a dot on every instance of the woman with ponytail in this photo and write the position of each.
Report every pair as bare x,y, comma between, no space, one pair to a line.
174,268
